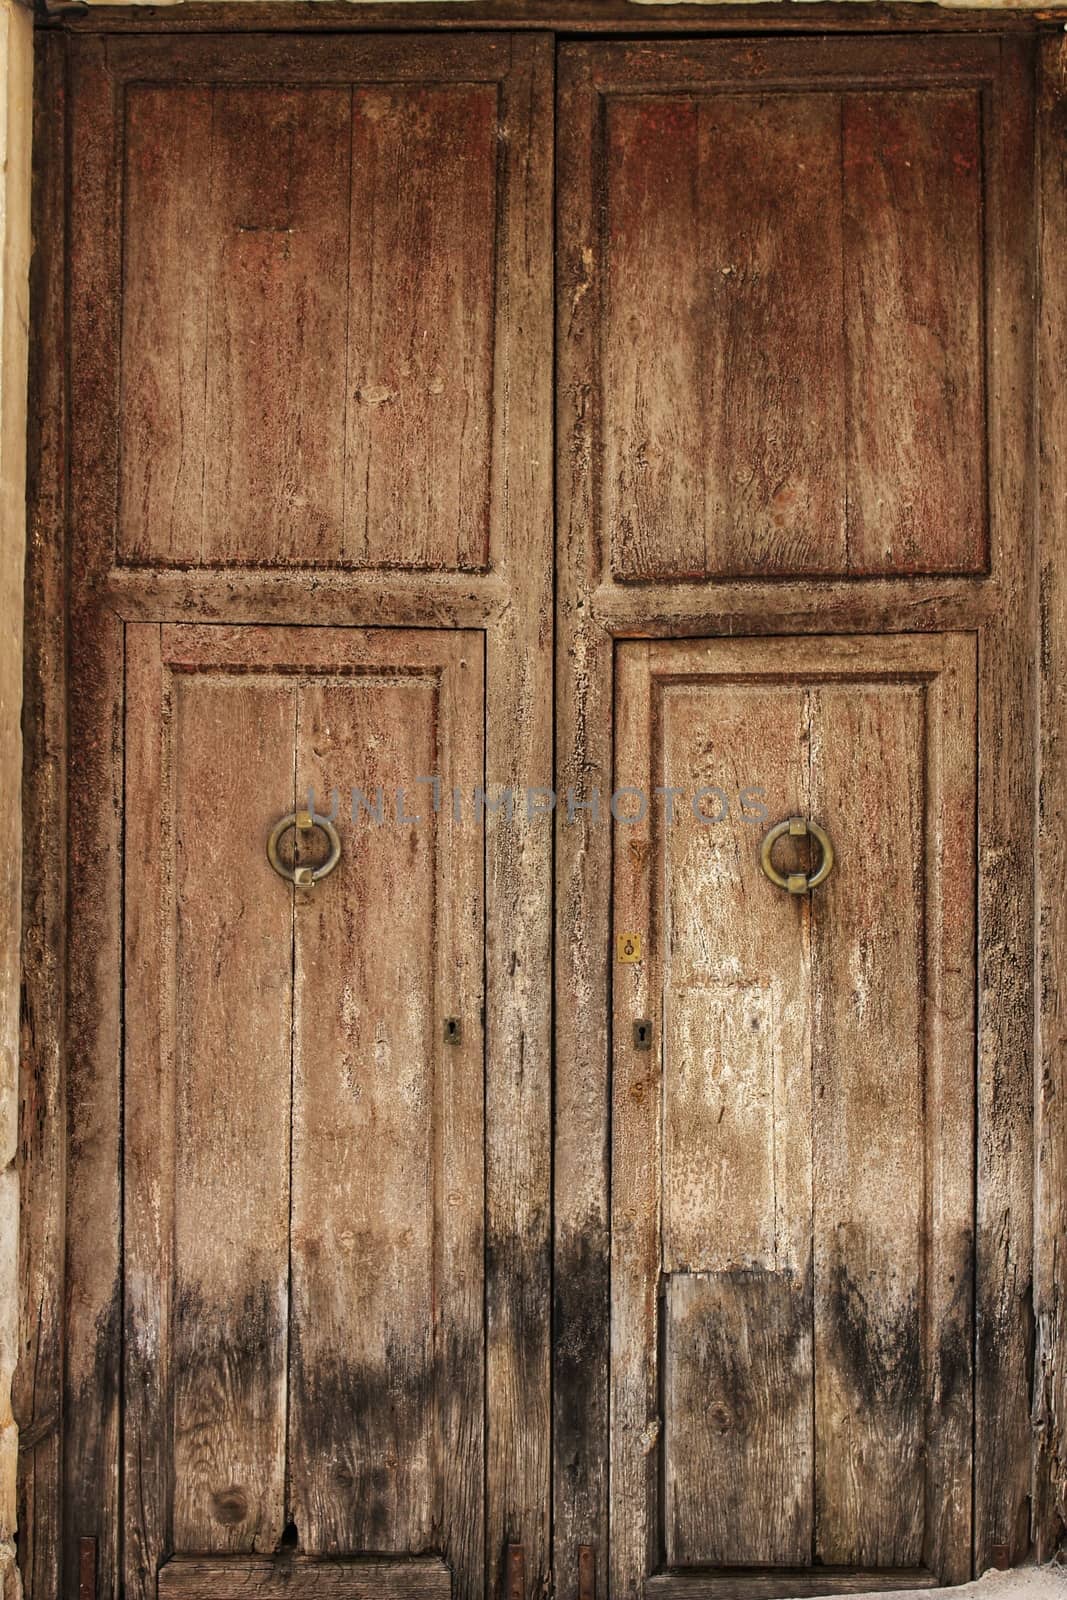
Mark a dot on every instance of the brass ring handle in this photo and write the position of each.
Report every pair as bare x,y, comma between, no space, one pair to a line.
797,882
304,821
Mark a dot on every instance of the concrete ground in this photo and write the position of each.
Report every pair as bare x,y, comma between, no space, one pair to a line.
1022,1583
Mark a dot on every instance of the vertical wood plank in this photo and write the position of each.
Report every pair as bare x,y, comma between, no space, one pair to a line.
653,439
420,338
772,387
518,854
737,1114
737,1394
148,1208
167,255
948,1042
277,315
232,771
37,1388
869,973
92,1290
582,869
364,1104
1005,1172
1050,1265
386,1425
914,320
636,1135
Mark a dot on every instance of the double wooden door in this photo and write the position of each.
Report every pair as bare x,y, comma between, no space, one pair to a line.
385,1276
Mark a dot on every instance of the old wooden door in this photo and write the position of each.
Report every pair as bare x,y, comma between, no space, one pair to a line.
308,1230
793,319
313,1337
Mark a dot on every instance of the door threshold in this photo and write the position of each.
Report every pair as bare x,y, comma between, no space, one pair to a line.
782,1583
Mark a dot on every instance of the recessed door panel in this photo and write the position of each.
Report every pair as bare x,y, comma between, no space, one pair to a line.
309,334
304,1099
792,1162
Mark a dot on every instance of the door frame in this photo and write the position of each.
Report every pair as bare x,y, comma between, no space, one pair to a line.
1022,1349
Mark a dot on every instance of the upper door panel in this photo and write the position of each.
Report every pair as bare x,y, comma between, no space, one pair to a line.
793,312
309,330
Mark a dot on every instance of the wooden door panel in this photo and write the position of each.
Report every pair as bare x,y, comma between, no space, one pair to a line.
304,1313
309,329
792,1195
790,295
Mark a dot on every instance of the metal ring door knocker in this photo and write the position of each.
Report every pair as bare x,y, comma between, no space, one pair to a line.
797,882
303,821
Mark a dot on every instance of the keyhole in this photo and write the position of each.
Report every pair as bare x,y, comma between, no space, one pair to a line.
643,1034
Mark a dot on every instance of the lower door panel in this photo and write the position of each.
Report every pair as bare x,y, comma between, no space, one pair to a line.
304,1110
793,1103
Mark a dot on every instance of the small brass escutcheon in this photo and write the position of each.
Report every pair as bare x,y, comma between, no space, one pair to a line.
628,947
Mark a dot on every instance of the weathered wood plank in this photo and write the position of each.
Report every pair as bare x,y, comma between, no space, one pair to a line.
274,399
654,435
738,1429
736,1179
166,248
914,289
92,1286
395,599
868,781
386,1411
786,1584
636,1144
1006,738
709,199
209,938
38,1378
518,854
889,1005
1050,1266
773,388
567,16
295,1578
231,755
420,332
582,871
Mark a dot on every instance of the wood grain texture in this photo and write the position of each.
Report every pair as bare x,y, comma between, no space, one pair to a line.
653,473
568,16
592,609
849,431
723,390
826,1156
200,1578
309,345
785,1584
516,611
738,1433
420,357
518,856
1007,735
92,1268
38,1379
507,87
209,939
386,1410
914,356
737,1110
583,664
1050,1283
